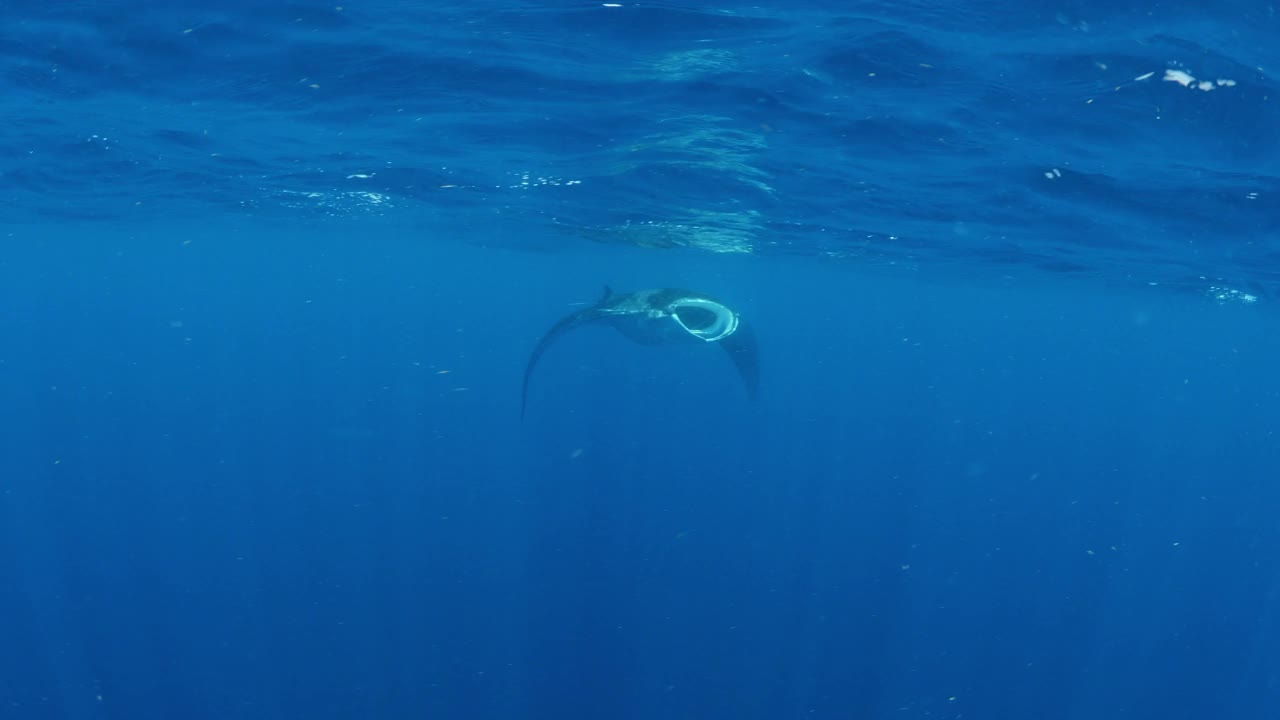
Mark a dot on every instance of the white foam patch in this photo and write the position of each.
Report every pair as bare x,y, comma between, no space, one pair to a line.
527,181
1226,294
337,202
1187,80
1182,78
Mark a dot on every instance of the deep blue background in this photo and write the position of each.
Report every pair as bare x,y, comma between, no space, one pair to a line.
1015,451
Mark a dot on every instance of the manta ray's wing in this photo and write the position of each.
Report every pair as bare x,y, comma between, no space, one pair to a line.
582,317
741,348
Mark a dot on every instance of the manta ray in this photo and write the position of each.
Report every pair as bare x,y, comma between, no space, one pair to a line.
661,316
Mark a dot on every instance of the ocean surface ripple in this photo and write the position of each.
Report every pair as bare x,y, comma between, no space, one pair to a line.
1108,140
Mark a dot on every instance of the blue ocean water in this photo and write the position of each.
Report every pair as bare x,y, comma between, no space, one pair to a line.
272,273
